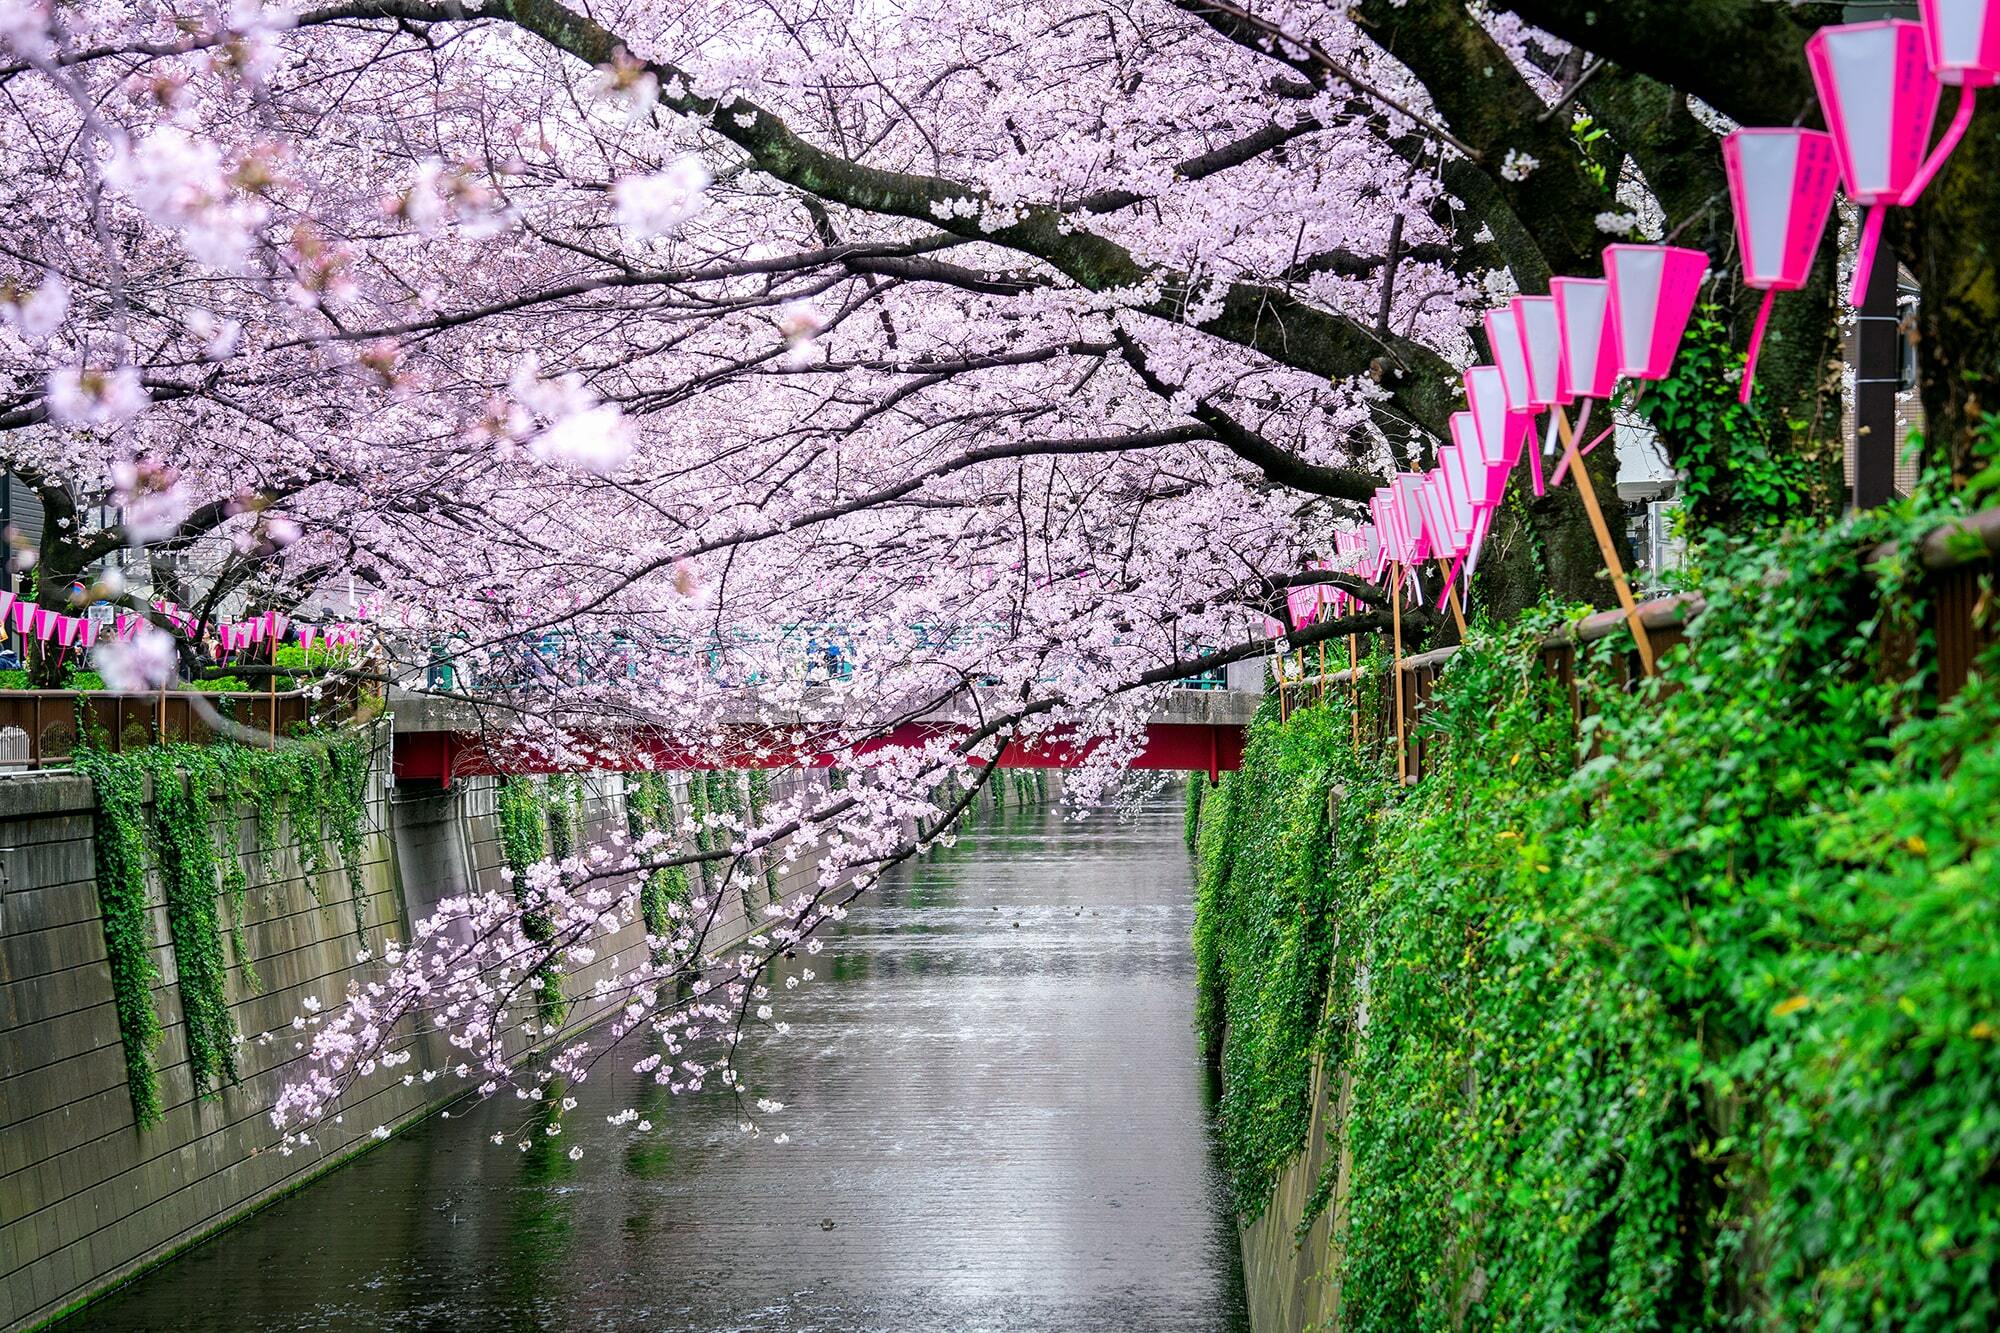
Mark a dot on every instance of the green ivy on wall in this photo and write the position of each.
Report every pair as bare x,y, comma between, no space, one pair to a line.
698,792
759,782
649,805
1691,1020
320,781
122,855
528,821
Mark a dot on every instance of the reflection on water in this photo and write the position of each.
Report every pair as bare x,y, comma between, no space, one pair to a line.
998,1121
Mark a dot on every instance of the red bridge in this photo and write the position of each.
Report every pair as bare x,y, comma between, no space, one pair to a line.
1199,731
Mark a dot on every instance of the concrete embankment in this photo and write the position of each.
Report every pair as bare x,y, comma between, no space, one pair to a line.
86,1196
1289,1278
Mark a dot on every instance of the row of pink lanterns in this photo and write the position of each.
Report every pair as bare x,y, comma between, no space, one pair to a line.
1879,84
1879,87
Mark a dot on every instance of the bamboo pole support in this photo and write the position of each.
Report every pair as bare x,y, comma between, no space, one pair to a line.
1588,492
1354,690
1322,670
1451,595
274,683
1396,669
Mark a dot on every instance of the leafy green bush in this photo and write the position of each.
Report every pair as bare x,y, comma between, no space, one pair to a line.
1701,1031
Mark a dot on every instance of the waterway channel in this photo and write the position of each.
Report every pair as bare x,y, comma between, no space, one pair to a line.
998,1120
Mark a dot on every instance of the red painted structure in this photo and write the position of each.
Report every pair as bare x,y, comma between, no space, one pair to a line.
441,756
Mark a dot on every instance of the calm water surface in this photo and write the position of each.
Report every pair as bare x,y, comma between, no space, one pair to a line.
998,1116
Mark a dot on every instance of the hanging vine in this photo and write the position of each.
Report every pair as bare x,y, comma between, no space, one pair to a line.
184,791
526,817
128,937
191,837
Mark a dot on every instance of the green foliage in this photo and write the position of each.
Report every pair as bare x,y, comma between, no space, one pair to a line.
1197,787
1701,1031
128,937
1278,843
1736,462
565,797
649,806
194,849
184,791
532,826
317,660
698,794
759,782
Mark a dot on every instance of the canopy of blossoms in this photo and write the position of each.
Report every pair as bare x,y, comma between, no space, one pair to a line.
1032,351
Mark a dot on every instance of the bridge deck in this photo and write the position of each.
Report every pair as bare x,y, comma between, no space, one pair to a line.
439,739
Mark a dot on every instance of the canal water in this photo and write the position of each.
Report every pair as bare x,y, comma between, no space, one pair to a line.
998,1120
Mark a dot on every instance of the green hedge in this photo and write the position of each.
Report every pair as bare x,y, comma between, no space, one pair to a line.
1697,1032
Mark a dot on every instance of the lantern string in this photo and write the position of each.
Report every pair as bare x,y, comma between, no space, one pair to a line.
1960,122
1864,259
1535,459
1756,344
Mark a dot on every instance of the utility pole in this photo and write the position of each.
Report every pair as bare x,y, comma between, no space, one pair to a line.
1877,374
1877,339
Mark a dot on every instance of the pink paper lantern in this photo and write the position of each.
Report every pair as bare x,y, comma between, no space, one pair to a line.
1880,99
1541,346
1503,332
1500,429
1437,515
1589,338
1541,351
1963,38
1963,41
1459,500
1389,540
1781,182
1302,604
1653,291
1409,508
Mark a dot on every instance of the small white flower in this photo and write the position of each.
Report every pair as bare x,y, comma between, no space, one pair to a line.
1517,165
655,205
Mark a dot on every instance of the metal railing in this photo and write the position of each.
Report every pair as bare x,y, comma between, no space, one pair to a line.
41,728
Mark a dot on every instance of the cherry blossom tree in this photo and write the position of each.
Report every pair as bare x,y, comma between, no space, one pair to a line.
1035,348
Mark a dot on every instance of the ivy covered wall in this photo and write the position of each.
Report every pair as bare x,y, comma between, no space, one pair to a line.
175,813
1691,1020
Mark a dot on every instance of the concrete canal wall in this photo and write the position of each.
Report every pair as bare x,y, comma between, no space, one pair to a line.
1288,1279
86,1197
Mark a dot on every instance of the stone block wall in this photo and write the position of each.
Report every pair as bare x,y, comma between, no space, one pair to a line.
86,1197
